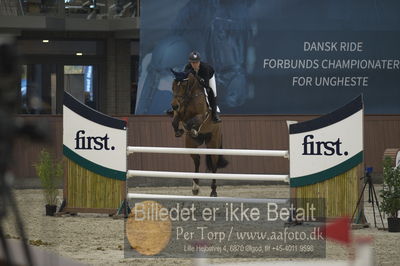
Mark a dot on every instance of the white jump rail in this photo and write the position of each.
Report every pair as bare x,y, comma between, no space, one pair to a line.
203,198
242,152
223,176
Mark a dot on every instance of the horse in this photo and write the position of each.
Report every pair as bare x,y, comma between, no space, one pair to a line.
192,111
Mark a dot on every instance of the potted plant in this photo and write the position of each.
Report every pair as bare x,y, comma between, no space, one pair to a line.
390,194
50,173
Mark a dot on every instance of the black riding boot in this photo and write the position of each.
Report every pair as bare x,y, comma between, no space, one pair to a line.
213,104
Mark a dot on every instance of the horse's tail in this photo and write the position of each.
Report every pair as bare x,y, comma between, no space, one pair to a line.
221,163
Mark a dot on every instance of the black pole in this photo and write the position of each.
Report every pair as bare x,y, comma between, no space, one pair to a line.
358,202
372,198
10,129
377,205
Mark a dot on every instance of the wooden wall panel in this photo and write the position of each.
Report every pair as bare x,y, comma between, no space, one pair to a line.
381,132
239,131
26,152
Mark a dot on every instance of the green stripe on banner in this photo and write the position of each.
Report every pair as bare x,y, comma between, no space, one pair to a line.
98,169
328,173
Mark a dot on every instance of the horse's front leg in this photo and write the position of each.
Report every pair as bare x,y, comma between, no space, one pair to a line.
175,124
195,182
191,143
213,168
194,125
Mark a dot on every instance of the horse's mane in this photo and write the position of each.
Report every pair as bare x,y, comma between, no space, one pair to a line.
179,76
183,76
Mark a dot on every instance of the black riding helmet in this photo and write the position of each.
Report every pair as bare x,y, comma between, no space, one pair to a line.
194,57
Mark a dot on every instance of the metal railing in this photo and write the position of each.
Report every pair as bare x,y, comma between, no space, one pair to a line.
11,8
88,9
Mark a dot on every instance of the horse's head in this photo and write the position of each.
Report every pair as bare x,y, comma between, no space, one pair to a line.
185,89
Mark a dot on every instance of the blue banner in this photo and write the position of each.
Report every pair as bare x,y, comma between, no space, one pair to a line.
275,56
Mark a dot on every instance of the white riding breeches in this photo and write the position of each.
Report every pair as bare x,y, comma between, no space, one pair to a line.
213,86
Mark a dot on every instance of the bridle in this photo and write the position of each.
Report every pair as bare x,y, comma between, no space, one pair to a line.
186,98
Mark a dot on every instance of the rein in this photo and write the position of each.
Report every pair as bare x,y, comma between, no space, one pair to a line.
196,132
187,98
204,121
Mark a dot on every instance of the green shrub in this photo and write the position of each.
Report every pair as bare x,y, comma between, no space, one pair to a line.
390,192
50,173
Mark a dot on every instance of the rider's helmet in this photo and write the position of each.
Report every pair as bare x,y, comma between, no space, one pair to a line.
194,57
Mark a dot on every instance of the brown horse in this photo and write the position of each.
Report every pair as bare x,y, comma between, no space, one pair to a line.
192,111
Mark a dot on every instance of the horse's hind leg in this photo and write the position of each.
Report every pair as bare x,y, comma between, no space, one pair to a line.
214,188
212,160
195,187
195,182
212,167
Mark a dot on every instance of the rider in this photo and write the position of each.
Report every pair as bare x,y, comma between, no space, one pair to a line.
207,80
